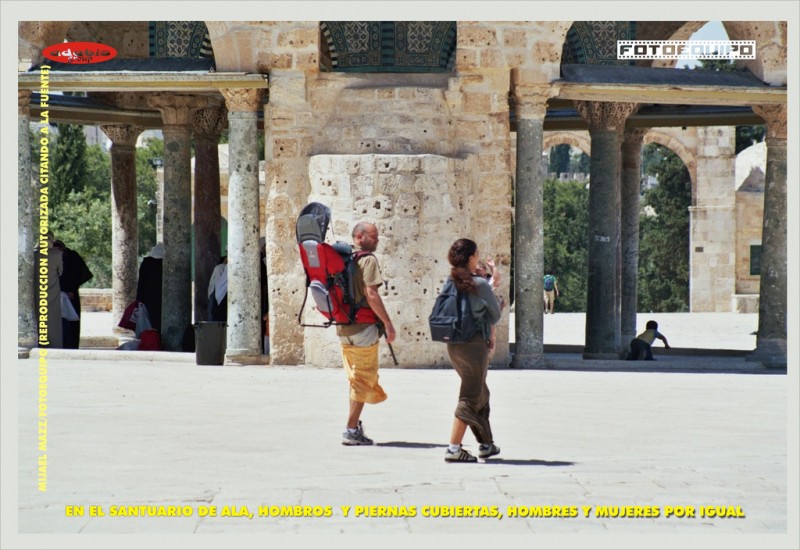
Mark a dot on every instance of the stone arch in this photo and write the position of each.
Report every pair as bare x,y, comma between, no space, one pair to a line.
770,36
684,32
770,63
579,140
674,144
35,36
226,50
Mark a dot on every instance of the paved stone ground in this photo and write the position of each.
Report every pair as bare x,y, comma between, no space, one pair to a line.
172,433
137,429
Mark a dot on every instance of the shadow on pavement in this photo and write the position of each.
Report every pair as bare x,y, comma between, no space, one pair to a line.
410,445
531,462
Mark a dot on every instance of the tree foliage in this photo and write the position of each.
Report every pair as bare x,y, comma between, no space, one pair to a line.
663,284
580,162
68,167
98,171
724,65
559,159
84,224
81,206
749,135
147,192
566,229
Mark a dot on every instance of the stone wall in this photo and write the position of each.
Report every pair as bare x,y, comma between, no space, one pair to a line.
750,174
131,39
421,204
712,240
463,119
96,299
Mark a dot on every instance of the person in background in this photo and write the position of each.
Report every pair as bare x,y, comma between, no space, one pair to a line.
550,291
149,286
74,274
218,292
488,270
641,346
264,284
55,266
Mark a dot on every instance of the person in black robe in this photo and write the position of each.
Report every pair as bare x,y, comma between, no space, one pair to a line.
75,273
149,286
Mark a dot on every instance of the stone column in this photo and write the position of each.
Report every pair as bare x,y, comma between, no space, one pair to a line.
207,125
124,219
712,226
772,306
631,175
26,228
603,324
176,316
531,106
244,315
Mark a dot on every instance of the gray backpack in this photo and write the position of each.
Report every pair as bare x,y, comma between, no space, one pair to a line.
451,319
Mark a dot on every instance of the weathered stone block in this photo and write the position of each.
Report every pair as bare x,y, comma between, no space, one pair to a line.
282,148
407,205
299,38
466,58
474,36
491,58
307,61
515,38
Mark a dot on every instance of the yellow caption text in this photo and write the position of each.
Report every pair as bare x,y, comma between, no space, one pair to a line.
677,512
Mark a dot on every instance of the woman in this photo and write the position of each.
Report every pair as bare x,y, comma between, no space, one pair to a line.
471,359
149,286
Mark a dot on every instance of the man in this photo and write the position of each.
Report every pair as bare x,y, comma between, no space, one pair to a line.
550,291
75,273
360,340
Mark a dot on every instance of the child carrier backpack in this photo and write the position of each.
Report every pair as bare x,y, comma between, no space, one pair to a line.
549,282
330,271
451,319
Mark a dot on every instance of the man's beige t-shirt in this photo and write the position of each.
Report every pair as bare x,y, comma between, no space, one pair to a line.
367,274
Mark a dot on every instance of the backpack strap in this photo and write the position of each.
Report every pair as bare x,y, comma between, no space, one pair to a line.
357,255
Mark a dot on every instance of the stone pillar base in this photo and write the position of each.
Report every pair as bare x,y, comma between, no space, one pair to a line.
23,353
770,353
245,357
26,342
527,361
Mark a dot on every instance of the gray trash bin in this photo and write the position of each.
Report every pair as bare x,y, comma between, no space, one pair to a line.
210,342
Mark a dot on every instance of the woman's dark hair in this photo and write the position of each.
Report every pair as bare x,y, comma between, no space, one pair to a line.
651,325
458,256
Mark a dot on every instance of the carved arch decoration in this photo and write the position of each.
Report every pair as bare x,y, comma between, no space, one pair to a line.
388,46
595,42
179,40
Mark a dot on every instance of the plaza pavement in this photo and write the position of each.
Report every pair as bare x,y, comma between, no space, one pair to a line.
143,431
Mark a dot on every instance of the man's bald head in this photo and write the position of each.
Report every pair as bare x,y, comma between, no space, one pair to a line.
365,236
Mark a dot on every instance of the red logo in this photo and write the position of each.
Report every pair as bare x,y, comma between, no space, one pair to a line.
79,53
